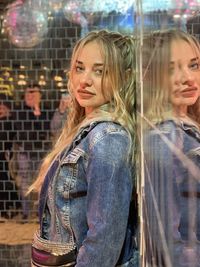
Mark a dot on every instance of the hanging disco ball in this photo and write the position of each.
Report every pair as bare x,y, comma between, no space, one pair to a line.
73,13
86,12
120,6
25,27
105,6
83,12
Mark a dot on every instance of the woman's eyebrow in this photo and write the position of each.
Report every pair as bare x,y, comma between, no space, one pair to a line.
95,64
79,62
191,60
98,64
194,59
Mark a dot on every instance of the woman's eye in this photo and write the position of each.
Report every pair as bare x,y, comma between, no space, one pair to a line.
99,71
171,70
194,66
78,68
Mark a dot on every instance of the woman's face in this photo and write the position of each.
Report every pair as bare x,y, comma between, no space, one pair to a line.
87,77
184,75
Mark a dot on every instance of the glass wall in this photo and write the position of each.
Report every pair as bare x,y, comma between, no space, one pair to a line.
168,117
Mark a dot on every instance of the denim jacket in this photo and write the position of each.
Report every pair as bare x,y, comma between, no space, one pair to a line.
96,163
172,158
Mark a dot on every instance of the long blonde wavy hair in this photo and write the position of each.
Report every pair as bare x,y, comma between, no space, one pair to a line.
119,66
156,66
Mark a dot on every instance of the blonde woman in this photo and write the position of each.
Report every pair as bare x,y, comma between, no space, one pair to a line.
86,181
172,87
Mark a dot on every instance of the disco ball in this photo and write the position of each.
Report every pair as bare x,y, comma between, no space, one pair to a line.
84,12
73,13
120,6
25,27
105,6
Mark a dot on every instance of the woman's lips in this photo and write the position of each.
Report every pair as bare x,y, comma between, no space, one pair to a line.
85,94
189,92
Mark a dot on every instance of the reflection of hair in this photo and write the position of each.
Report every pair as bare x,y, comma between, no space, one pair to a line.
156,60
119,64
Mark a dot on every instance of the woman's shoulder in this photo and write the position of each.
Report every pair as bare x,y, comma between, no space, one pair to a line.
157,134
109,138
172,126
105,128
108,132
164,127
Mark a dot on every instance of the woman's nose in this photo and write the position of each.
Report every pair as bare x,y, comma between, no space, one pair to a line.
187,77
86,79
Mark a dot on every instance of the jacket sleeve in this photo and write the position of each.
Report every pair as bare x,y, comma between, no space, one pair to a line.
108,198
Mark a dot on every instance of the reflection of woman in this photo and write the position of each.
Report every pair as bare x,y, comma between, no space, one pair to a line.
85,182
172,86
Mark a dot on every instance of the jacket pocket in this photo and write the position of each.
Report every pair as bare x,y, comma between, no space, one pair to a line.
69,172
73,156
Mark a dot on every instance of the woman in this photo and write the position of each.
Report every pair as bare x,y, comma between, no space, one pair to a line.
172,147
86,181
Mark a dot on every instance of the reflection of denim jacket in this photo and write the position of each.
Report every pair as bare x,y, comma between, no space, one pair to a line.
169,174
185,138
96,162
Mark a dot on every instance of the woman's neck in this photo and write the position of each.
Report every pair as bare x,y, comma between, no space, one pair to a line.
188,120
181,114
180,111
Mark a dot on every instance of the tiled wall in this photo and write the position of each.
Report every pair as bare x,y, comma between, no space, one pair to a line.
193,26
50,58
